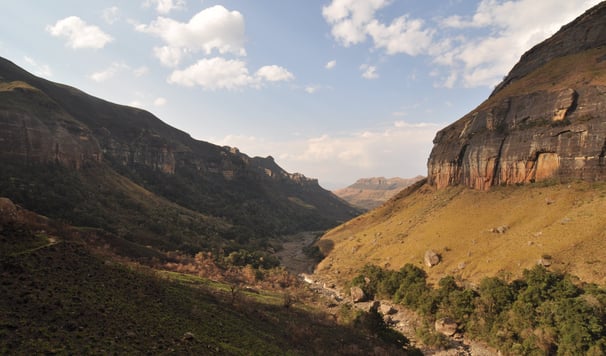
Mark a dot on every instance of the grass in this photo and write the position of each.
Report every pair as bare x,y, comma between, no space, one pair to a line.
559,220
62,298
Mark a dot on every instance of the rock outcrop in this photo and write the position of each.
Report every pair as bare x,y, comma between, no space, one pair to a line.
546,120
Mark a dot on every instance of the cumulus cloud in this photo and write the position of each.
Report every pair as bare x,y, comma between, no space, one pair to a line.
274,73
212,29
331,64
339,160
141,71
369,72
79,34
40,69
220,73
475,50
165,6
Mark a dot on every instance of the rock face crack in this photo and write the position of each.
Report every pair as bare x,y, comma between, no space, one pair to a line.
497,165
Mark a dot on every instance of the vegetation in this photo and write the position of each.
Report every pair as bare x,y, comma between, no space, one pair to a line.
57,296
543,312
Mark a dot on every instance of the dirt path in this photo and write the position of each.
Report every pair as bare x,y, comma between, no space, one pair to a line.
292,256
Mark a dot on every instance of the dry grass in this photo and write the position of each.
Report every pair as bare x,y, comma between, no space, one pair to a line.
564,222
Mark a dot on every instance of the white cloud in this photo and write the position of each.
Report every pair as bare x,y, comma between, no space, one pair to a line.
349,18
219,73
111,14
165,6
370,72
398,150
274,73
331,64
160,101
114,69
169,56
476,50
214,73
79,34
40,69
108,73
403,35
212,29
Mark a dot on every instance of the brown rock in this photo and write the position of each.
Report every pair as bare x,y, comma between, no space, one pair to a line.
431,258
446,326
357,295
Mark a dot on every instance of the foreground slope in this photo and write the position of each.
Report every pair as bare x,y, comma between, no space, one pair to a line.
52,131
59,294
537,146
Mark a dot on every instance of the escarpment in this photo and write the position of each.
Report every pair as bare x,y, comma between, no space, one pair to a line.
547,120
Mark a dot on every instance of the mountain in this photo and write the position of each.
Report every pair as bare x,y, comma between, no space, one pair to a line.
544,121
518,181
369,193
89,162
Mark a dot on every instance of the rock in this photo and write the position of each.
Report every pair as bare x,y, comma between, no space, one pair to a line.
446,326
188,336
500,229
431,258
530,130
387,309
545,262
357,295
8,210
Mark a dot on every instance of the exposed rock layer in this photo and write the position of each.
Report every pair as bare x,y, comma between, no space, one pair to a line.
547,120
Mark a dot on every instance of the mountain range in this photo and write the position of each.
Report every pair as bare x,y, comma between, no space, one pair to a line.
89,162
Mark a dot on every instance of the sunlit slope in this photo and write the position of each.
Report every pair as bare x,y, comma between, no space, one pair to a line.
562,224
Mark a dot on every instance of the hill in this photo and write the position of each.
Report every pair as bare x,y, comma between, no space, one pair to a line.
518,180
88,162
369,193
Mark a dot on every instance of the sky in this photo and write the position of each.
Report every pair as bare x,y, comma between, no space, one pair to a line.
335,89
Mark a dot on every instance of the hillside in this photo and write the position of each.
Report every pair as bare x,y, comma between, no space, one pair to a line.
71,156
61,292
518,180
369,193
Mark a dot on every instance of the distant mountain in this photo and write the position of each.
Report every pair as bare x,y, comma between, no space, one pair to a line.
369,193
89,162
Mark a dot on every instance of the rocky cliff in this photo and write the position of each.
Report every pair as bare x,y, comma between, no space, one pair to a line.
546,120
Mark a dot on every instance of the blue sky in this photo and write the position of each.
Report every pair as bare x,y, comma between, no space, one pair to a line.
334,89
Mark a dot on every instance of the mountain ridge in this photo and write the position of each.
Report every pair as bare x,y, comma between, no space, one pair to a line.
47,126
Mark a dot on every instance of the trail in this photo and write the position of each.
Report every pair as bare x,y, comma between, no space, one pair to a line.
51,242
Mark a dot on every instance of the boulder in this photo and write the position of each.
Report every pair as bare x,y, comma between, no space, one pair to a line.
431,258
387,309
446,326
357,295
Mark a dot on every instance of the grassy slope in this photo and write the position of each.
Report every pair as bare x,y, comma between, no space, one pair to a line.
56,296
562,221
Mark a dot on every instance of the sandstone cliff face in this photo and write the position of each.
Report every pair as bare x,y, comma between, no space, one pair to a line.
547,120
35,138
